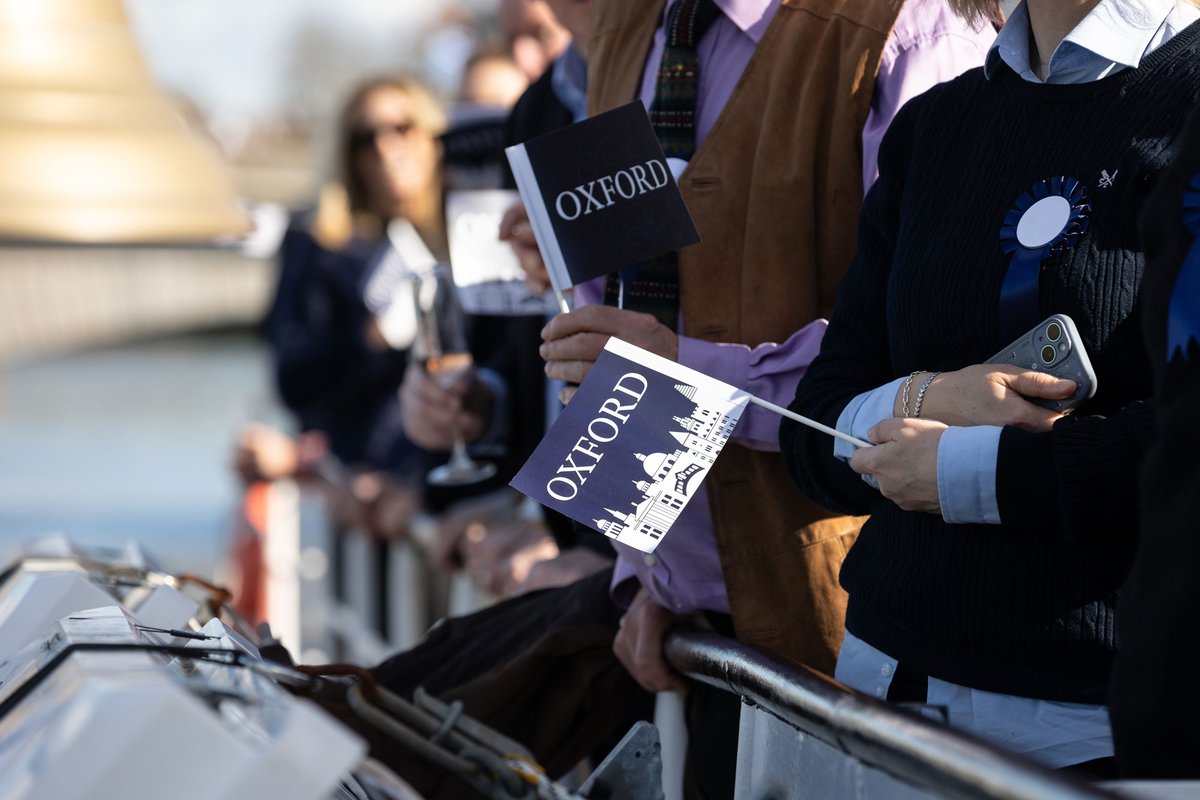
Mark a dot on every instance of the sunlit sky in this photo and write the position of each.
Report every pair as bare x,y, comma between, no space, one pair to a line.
229,56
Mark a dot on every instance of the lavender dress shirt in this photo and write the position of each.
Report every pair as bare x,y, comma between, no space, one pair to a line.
927,45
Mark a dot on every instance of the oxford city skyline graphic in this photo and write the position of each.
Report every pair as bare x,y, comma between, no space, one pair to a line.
672,478
632,447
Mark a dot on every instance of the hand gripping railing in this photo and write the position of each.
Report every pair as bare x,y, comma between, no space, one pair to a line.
910,748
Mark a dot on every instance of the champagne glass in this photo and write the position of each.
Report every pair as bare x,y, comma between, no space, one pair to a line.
441,344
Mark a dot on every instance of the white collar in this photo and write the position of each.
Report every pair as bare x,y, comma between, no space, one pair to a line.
1117,31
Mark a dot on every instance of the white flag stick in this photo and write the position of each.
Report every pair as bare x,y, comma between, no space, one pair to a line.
809,422
562,300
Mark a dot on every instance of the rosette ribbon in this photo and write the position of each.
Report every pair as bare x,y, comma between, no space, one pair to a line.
1046,220
1183,314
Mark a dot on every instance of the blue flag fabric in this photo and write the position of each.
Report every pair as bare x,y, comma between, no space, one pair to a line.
633,445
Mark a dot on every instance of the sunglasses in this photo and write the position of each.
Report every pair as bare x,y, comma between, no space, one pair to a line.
361,138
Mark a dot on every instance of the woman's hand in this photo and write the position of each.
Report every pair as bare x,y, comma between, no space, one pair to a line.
988,394
432,415
903,462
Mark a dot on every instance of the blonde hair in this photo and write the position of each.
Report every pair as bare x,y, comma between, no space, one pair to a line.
344,207
976,11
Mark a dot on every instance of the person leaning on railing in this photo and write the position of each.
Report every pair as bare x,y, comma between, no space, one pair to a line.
987,577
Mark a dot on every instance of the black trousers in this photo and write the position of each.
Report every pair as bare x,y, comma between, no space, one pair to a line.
540,669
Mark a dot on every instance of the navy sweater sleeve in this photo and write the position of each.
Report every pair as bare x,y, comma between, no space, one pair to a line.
1084,472
855,354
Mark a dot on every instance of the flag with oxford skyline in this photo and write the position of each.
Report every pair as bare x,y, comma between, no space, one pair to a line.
633,445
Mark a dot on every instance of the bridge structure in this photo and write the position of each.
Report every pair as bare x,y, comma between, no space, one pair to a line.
56,297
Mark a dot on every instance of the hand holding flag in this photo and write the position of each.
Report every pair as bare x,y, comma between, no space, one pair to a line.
635,443
600,196
574,341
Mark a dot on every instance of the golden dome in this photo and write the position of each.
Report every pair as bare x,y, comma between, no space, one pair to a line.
90,149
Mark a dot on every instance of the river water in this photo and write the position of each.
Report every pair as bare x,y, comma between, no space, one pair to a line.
131,443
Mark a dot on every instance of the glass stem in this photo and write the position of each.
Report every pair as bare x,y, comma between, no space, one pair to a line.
458,453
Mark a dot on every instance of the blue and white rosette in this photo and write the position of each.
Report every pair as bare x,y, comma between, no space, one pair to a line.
1047,219
1183,314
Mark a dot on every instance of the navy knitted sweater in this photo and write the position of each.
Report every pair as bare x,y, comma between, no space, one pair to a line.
1025,607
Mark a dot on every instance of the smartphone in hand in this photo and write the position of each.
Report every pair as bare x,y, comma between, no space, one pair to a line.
1053,346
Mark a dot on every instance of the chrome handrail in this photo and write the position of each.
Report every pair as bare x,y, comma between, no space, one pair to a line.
913,749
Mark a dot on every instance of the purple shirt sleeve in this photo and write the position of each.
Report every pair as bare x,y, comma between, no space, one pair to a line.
769,371
683,574
929,44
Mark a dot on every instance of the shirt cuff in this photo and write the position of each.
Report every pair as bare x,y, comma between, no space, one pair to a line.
863,413
725,362
729,363
966,474
769,371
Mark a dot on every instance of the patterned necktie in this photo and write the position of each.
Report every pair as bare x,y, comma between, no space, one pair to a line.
673,112
653,286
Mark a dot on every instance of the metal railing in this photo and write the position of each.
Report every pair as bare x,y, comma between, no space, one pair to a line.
856,746
801,734
334,594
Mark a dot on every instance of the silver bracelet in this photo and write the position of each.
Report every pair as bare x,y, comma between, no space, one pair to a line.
921,393
904,393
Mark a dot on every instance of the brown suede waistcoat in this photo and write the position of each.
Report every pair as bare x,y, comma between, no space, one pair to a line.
775,190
